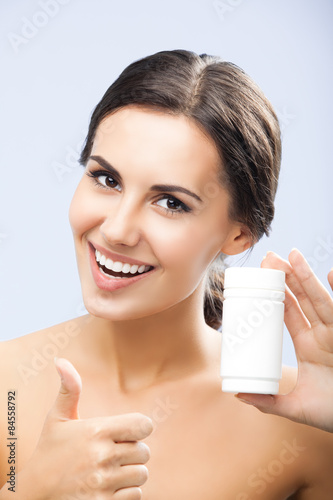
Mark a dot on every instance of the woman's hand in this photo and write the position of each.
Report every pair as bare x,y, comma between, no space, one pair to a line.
309,319
97,458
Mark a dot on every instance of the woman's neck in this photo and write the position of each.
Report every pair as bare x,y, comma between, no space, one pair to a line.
140,353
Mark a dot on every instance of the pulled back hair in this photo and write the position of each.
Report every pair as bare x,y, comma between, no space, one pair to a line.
227,106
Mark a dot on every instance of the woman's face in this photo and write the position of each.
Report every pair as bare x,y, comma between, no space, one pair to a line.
149,196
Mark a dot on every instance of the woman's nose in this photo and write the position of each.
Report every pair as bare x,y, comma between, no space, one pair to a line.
122,225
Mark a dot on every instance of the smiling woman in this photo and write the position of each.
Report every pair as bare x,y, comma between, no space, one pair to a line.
231,119
142,219
181,162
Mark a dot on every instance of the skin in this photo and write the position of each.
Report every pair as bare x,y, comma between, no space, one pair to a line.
308,317
140,412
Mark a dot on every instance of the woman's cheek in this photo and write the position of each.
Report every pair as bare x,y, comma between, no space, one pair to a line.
202,244
75,215
177,246
83,212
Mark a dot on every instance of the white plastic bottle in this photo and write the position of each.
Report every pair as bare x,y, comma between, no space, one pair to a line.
252,330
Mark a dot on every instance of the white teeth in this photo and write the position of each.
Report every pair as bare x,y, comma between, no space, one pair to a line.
113,277
108,264
117,267
126,268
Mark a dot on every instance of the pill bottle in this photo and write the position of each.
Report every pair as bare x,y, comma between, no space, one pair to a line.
252,330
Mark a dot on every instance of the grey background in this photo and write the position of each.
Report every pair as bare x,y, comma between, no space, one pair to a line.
70,51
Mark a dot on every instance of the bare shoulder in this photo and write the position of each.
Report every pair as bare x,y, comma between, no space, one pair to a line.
12,354
29,379
24,358
13,392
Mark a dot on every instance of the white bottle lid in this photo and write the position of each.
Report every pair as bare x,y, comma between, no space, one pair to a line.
250,385
253,277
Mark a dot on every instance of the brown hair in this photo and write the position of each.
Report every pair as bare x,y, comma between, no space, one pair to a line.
227,106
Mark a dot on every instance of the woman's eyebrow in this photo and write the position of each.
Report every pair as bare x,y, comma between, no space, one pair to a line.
105,164
171,188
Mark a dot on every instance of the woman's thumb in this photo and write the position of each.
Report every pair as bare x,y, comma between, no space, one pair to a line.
284,405
67,402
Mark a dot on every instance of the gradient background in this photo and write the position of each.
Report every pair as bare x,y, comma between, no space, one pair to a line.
69,54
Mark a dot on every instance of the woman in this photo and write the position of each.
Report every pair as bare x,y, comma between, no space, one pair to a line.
181,165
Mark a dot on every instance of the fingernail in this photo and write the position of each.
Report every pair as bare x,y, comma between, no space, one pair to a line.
57,368
244,400
298,251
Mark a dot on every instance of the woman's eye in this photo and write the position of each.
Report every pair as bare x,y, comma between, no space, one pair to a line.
172,205
103,180
107,181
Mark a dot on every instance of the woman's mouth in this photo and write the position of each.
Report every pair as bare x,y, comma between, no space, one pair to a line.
119,269
110,276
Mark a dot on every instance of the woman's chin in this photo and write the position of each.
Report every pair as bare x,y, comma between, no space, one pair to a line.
101,308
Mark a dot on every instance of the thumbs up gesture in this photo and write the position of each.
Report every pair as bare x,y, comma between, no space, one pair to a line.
97,458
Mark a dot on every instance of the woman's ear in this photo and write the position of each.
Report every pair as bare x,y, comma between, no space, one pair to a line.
238,240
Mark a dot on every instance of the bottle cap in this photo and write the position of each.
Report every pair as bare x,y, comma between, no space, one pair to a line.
250,385
253,277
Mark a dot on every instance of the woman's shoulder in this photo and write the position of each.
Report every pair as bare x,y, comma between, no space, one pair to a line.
29,379
25,357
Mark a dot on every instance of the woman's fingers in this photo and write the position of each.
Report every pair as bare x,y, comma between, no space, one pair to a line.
125,477
315,291
125,453
294,284
294,317
307,303
308,316
330,278
287,406
128,494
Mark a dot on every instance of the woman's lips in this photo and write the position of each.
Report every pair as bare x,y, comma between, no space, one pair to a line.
117,257
108,283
